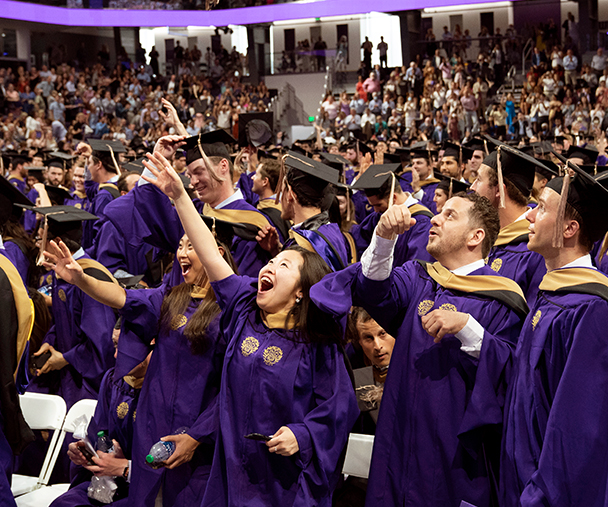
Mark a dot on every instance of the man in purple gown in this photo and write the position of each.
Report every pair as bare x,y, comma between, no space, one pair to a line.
455,323
555,446
376,183
510,255
159,223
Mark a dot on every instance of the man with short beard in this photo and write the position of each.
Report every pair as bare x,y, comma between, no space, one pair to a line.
455,325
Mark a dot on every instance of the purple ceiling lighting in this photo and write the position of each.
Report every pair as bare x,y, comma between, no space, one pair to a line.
242,16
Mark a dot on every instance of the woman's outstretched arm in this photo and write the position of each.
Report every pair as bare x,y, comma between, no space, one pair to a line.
58,258
198,233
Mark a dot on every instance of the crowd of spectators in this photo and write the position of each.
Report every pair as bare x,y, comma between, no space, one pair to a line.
55,108
447,92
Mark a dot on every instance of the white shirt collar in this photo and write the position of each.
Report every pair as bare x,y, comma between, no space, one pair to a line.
113,179
238,195
78,254
469,268
410,201
1,243
581,262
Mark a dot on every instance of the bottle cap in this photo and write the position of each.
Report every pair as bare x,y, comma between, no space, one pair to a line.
101,433
149,458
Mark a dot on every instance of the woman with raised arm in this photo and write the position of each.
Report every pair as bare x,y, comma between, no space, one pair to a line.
182,383
286,401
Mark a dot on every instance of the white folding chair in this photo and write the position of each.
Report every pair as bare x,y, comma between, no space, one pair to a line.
41,412
44,496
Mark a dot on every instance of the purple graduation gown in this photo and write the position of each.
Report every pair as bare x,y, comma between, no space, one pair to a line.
160,227
429,194
271,381
115,414
82,332
78,200
29,217
555,447
245,184
90,228
180,389
410,246
19,183
510,257
333,249
437,399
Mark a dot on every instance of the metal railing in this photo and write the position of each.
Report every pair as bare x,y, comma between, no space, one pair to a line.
287,109
525,52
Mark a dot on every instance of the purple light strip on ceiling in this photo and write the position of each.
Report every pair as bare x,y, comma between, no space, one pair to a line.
241,16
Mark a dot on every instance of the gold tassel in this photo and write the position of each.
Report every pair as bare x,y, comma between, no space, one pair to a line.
501,189
604,248
485,145
116,166
208,162
45,233
558,232
451,189
279,186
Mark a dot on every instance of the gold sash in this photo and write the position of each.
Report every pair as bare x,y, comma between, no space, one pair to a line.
428,182
23,304
93,264
269,203
497,287
580,280
277,320
242,216
511,232
134,382
301,241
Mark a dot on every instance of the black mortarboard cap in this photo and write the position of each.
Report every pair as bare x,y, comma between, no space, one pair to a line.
479,144
37,172
550,170
421,150
332,157
516,166
593,170
404,154
136,166
213,144
364,149
105,147
459,152
130,282
589,197
452,186
588,154
57,195
64,220
257,132
312,167
9,197
392,158
375,176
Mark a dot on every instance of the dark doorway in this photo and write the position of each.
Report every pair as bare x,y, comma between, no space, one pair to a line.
290,39
342,30
487,19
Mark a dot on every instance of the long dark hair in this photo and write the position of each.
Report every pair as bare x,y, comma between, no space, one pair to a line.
177,300
311,324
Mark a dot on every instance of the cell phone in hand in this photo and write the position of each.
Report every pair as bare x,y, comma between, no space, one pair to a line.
164,110
87,451
39,361
258,436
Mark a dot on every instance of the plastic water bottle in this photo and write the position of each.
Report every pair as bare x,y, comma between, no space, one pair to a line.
162,451
104,442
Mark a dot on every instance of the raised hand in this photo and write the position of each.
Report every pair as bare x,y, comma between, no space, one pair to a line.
168,145
167,179
394,221
57,257
171,117
268,239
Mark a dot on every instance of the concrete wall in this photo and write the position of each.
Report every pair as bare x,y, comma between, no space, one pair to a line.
328,33
309,88
471,20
